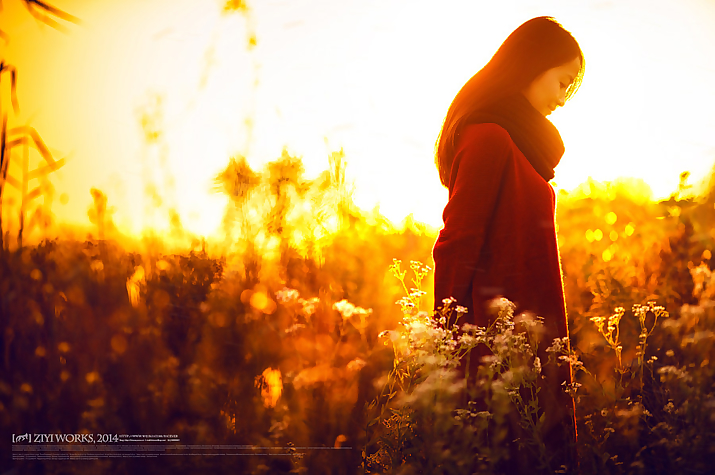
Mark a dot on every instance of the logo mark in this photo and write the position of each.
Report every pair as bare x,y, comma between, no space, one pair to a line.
21,438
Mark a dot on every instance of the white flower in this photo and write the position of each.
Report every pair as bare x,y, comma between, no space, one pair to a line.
294,328
668,373
491,360
503,306
309,305
356,365
286,295
571,389
560,345
467,340
347,309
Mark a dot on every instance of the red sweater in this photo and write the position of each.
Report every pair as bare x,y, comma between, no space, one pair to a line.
499,237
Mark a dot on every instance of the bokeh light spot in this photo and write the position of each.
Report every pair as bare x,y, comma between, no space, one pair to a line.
606,255
119,343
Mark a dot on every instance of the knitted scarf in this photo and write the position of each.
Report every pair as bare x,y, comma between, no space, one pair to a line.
535,136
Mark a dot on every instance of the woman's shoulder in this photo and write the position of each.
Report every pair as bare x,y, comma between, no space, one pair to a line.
486,130
482,150
484,136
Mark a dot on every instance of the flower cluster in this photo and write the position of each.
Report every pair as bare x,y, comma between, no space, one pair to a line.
670,373
559,346
703,280
611,332
347,309
287,295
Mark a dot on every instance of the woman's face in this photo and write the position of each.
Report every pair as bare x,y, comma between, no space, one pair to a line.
548,90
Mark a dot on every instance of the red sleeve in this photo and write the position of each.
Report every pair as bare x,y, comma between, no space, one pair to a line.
477,171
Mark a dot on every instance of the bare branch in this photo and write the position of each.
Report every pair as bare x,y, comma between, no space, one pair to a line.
37,140
46,169
56,11
31,5
11,181
13,84
31,196
3,140
15,142
44,18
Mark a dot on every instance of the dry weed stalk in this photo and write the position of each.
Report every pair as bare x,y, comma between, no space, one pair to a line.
25,135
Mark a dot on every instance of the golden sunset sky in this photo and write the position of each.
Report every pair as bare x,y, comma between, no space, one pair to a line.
373,77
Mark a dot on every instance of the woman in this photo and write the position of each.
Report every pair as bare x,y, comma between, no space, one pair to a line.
496,153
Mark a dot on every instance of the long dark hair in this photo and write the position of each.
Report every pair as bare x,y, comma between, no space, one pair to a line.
535,47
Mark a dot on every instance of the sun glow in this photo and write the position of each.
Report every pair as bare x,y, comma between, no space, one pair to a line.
149,100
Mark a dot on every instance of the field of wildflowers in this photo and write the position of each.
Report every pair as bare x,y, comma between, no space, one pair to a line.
285,337
289,338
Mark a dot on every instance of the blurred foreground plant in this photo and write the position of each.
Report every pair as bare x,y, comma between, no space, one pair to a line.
418,425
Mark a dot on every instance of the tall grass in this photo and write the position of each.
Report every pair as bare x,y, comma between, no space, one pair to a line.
292,339
287,335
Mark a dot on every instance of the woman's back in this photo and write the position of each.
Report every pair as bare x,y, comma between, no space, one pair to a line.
499,235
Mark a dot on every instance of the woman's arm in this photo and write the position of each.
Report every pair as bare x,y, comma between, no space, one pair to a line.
477,171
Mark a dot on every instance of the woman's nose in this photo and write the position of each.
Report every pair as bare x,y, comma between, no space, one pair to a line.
562,100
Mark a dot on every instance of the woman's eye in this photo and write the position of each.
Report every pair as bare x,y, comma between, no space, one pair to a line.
563,86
